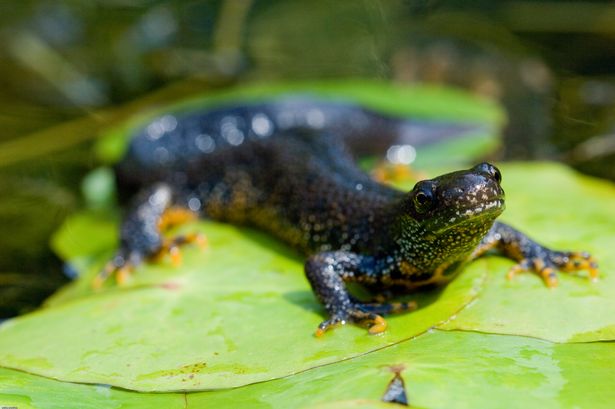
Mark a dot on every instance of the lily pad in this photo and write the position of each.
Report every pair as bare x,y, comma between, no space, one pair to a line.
26,391
225,319
450,369
563,210
442,370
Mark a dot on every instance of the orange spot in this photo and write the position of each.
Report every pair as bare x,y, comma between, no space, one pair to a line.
101,277
319,333
200,240
122,276
379,174
539,264
594,273
549,277
176,256
482,249
175,216
160,254
514,270
395,172
379,326
582,261
98,282
514,251
407,268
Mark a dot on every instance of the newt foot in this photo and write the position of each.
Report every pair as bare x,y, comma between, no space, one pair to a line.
119,267
374,322
368,315
171,247
547,266
122,267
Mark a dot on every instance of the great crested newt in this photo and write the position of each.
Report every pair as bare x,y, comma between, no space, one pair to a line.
286,167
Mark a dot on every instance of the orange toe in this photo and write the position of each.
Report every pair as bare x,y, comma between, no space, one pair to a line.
379,326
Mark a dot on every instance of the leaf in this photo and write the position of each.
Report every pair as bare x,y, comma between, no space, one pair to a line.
443,370
449,369
563,210
225,319
26,391
98,188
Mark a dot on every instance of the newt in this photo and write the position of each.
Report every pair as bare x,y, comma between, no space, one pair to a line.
287,167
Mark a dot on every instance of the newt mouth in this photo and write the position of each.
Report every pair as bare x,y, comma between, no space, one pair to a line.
471,214
488,207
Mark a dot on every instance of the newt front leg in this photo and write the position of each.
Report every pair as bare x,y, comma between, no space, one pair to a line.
531,256
328,274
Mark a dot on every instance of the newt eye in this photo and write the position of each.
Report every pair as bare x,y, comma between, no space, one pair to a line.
497,175
423,200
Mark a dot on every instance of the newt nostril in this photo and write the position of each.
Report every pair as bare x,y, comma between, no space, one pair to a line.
489,169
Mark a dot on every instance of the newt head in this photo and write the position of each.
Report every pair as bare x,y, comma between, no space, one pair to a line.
457,199
444,219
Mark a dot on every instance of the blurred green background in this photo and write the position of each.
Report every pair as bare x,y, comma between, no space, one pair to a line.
68,68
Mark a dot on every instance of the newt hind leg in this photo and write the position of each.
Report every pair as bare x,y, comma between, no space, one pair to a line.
152,213
171,217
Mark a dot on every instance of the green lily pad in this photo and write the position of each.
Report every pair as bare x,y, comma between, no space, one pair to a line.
225,319
26,391
563,210
442,370
450,369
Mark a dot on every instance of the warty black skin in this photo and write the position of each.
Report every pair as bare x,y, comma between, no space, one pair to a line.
302,185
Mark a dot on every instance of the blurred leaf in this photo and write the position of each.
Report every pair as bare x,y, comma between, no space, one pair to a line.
99,231
98,188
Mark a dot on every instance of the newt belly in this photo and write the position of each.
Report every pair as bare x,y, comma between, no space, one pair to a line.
288,168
